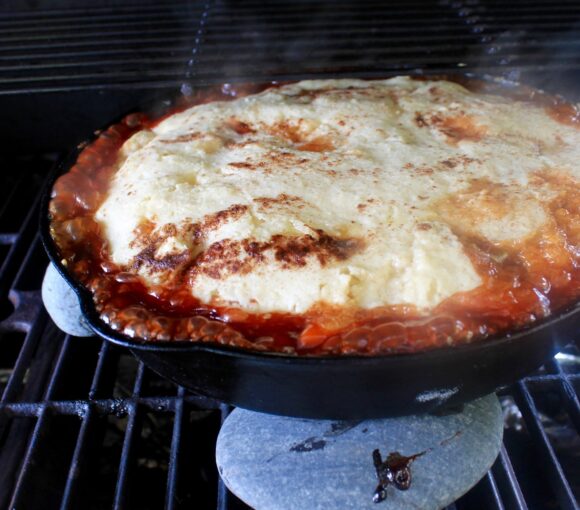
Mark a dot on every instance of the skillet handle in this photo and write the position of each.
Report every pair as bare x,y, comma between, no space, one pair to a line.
62,304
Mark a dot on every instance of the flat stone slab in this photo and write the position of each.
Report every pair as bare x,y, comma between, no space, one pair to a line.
280,463
62,304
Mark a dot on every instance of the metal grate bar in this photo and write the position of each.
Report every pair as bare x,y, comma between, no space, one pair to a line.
549,378
351,72
172,494
5,205
377,70
101,53
150,61
24,267
50,14
222,496
72,87
431,42
106,354
151,73
230,40
394,17
31,269
11,458
23,362
142,21
26,464
500,10
131,435
337,28
318,20
21,486
8,238
241,27
222,492
390,59
51,61
162,26
467,6
127,13
393,7
253,75
554,471
493,491
330,26
173,38
313,66
78,462
118,19
500,3
27,373
568,393
57,370
77,466
141,42
12,263
505,469
103,406
171,33
570,53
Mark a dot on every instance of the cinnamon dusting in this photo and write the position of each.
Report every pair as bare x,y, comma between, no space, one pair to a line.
456,128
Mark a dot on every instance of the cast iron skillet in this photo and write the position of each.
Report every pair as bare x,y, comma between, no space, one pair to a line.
334,387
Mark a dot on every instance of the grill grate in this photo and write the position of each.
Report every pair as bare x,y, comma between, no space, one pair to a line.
152,45
82,423
95,47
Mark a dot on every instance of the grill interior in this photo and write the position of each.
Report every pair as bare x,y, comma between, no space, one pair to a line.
82,423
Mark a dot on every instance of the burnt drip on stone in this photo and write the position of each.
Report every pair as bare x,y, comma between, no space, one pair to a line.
395,470
318,443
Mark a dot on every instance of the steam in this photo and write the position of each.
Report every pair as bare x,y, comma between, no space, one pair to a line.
539,54
536,45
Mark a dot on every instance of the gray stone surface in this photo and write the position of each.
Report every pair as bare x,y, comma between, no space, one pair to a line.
278,463
62,304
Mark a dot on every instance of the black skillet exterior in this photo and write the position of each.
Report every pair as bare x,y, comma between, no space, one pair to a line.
348,387
356,388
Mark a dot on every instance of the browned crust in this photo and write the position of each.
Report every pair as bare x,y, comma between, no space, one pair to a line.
240,127
242,164
455,161
187,137
281,200
443,165
455,127
151,241
298,134
227,257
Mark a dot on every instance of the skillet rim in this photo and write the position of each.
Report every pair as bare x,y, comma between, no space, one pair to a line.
100,328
